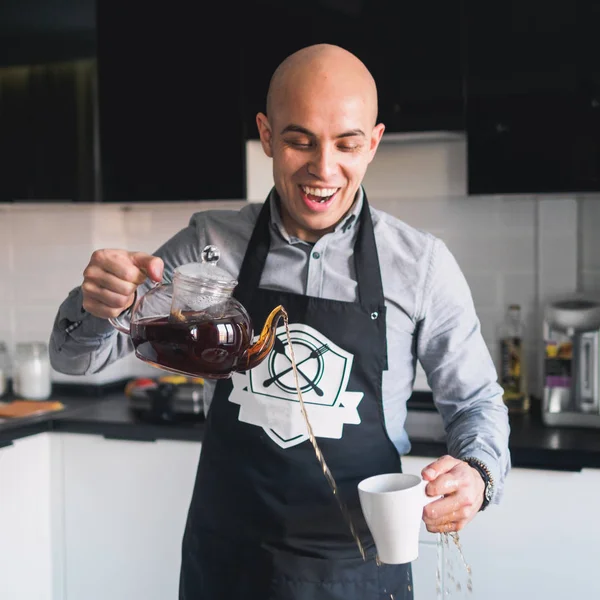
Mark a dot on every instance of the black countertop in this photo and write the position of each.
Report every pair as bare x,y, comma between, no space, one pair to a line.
532,444
107,415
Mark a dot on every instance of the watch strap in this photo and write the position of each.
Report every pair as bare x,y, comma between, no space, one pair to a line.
486,475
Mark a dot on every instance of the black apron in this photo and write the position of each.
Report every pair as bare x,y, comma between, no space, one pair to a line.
263,522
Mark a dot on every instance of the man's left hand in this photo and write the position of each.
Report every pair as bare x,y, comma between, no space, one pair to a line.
462,488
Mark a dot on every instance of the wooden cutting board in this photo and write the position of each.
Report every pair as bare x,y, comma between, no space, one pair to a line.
26,408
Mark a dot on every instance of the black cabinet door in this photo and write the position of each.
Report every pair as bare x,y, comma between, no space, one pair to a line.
169,94
46,139
39,32
414,52
520,144
274,30
47,50
521,96
586,154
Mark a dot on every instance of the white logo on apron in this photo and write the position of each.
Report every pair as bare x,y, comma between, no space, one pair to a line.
268,398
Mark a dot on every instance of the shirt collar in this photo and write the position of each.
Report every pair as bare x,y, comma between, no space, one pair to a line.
343,228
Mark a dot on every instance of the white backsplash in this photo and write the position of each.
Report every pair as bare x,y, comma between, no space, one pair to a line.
497,240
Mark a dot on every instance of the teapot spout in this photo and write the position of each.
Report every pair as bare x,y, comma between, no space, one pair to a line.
256,353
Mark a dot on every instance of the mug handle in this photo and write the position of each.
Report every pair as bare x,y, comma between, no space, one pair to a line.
427,499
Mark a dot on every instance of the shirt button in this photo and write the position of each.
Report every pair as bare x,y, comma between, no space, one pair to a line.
374,315
316,255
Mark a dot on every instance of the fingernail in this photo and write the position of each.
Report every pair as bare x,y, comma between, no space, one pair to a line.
429,473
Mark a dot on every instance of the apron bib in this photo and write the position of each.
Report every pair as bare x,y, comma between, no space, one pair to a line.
263,521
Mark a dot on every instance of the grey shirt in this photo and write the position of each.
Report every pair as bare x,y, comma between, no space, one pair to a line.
430,317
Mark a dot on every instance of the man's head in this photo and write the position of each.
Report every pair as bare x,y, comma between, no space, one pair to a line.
321,132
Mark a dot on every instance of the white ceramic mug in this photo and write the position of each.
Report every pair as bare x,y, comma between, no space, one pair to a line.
393,508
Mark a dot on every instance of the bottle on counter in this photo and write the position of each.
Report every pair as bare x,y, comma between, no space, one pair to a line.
32,379
513,373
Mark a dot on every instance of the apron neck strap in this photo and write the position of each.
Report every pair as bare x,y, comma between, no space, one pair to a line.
366,261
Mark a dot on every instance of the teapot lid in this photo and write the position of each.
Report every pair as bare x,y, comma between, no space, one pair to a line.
207,270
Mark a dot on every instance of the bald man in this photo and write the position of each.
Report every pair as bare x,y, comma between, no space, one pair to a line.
367,296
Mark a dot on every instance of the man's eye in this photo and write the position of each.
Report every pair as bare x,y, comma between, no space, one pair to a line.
350,147
298,144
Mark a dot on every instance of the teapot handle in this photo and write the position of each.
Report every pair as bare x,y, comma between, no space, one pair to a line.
117,324
123,327
114,321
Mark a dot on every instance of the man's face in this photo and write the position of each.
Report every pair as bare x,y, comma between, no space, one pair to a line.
321,143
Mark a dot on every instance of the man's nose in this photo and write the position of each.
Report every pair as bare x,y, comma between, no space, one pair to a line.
322,163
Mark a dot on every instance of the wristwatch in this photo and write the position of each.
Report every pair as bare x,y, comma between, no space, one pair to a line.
488,480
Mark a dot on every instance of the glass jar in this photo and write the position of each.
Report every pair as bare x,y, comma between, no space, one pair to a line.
4,368
32,374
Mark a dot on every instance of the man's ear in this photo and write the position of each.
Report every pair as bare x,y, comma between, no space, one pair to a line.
266,134
376,135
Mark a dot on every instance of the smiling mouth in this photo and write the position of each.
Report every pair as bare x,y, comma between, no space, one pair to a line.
318,195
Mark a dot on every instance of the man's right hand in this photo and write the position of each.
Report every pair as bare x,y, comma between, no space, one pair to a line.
112,277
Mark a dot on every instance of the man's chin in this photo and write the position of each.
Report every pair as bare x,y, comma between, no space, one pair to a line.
311,226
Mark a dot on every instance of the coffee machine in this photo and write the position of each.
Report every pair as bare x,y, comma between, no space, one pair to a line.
572,363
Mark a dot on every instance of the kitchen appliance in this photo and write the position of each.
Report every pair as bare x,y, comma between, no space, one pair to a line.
166,399
572,363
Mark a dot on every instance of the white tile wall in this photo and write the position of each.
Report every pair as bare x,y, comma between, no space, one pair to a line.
496,240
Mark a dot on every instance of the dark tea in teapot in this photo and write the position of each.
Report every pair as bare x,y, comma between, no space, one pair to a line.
212,348
194,325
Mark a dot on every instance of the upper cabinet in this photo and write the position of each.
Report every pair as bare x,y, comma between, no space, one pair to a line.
532,97
47,132
47,50
34,32
586,125
170,101
415,59
156,104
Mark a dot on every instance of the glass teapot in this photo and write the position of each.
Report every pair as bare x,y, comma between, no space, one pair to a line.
194,326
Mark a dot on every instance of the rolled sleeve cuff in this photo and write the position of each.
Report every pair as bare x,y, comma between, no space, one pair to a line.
76,322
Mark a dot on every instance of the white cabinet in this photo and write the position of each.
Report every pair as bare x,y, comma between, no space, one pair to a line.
424,571
431,558
84,517
26,557
541,541
125,507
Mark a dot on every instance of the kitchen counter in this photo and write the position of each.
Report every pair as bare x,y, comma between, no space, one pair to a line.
532,444
108,416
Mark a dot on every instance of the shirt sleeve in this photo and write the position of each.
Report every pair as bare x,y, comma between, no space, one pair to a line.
82,344
460,370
